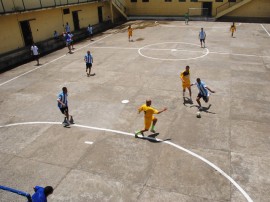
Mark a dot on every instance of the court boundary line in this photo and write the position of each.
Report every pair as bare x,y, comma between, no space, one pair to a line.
173,26
265,30
212,165
213,52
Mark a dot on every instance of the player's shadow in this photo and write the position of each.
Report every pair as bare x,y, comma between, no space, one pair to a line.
187,101
152,138
206,109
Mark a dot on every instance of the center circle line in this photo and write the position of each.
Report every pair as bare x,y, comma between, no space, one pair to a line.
154,58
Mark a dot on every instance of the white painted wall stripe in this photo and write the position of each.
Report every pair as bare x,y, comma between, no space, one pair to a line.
165,142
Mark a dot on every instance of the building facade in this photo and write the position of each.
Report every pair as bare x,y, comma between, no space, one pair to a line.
26,21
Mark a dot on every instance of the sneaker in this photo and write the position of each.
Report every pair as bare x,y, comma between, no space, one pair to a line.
71,120
66,124
138,132
153,131
65,121
200,108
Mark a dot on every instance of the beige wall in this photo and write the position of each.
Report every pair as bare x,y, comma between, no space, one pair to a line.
10,36
44,22
160,7
256,8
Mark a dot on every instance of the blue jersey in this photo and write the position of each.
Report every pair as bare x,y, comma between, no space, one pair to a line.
63,98
39,195
202,35
202,89
88,58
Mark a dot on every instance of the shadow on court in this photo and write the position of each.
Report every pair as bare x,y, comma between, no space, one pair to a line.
152,138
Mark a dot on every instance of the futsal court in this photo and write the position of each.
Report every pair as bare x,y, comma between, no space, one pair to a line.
222,156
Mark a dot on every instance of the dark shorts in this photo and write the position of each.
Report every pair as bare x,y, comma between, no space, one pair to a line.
64,109
36,57
205,98
88,65
202,40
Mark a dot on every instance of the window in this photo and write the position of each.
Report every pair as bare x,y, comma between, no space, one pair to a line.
133,0
66,11
182,0
145,0
193,0
168,0
232,0
219,0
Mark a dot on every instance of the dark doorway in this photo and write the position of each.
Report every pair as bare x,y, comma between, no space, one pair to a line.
27,33
76,21
100,15
207,12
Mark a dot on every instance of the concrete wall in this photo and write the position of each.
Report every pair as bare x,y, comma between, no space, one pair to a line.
174,8
44,22
256,8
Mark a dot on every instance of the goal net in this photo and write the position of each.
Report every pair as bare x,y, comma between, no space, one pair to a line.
198,12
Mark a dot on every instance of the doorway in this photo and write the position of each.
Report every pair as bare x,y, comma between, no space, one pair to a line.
26,32
76,21
207,12
100,15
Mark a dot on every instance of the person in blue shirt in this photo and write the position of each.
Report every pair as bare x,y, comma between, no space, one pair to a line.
41,193
88,58
202,37
203,92
63,106
90,31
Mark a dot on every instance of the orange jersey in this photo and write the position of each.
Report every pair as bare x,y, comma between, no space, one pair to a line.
130,31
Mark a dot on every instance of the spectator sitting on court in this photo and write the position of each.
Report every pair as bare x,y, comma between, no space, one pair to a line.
41,193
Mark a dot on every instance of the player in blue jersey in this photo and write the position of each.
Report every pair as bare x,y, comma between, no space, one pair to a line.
203,92
202,37
41,193
88,58
63,106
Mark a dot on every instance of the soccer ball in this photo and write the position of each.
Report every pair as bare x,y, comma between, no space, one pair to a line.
198,115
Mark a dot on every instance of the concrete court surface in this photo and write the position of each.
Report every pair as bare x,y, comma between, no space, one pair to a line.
227,156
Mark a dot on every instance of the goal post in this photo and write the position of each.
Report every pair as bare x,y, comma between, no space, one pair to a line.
198,12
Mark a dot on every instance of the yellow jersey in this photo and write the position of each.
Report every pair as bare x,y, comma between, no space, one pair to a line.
233,28
185,75
130,31
148,111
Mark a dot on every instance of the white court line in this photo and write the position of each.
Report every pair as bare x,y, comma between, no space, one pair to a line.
195,26
165,142
238,54
50,62
167,59
173,49
265,30
87,142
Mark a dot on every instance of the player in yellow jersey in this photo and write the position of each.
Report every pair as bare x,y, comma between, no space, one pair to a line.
233,28
185,77
129,32
148,117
